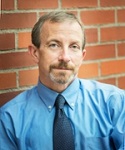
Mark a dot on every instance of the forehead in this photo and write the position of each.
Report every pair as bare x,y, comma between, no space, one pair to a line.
66,28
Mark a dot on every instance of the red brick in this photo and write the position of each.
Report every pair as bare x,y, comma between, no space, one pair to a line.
121,82
100,52
7,41
37,4
113,67
15,60
5,97
17,20
113,33
91,35
109,3
88,70
79,3
7,4
121,49
97,17
28,77
121,16
7,80
108,81
24,39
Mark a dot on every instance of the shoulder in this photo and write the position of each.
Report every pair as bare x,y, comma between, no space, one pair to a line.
104,94
96,87
19,100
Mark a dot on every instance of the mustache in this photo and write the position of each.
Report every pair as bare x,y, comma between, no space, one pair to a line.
62,65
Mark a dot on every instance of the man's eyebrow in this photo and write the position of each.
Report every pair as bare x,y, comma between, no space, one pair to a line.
57,41
53,40
77,42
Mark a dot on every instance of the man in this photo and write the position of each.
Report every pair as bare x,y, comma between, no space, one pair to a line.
96,111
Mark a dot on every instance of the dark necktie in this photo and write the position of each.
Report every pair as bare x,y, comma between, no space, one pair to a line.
62,131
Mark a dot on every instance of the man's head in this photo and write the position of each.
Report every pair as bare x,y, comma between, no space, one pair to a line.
58,48
53,17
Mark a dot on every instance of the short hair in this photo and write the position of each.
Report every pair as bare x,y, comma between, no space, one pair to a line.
55,17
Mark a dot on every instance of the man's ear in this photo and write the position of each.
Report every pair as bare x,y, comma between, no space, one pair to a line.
34,52
84,53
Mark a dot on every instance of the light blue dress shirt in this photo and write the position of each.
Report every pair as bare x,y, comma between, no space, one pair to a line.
96,110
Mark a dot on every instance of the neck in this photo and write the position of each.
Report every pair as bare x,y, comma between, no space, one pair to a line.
58,87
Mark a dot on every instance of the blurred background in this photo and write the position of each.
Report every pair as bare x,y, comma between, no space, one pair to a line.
104,23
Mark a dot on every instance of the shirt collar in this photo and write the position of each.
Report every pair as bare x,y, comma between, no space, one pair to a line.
48,96
71,93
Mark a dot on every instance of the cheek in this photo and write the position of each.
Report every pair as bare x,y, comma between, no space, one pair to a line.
78,61
48,56
46,61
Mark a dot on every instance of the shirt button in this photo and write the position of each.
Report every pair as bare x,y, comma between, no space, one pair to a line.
72,104
49,107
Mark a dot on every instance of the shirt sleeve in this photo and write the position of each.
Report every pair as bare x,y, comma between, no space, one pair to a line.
7,140
117,110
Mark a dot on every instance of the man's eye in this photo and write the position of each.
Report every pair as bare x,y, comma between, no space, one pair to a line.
75,47
53,45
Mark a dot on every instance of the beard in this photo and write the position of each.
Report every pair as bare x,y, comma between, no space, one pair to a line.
62,73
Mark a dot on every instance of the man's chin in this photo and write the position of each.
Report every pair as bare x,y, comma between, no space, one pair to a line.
62,80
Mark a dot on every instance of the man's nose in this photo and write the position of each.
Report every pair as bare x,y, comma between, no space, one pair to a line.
64,55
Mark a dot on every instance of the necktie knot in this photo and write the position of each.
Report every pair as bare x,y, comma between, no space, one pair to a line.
60,101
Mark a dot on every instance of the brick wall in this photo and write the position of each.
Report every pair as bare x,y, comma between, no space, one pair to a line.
104,22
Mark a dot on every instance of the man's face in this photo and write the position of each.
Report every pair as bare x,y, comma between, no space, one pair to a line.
60,53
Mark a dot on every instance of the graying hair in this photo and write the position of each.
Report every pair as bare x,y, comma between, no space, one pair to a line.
55,16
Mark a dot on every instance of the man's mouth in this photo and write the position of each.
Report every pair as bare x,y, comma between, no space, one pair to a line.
62,68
